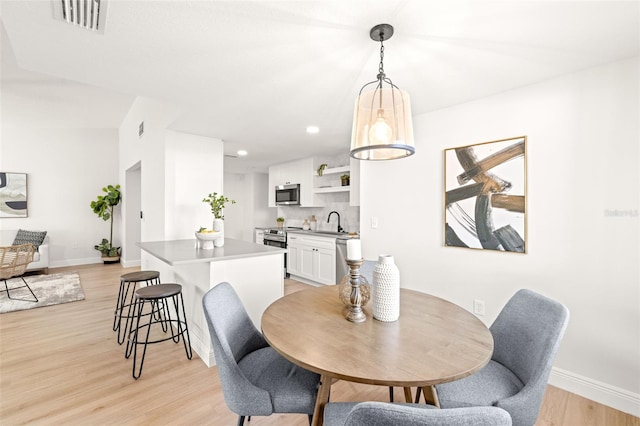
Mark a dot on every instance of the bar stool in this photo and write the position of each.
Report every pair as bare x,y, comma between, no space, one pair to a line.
128,282
159,297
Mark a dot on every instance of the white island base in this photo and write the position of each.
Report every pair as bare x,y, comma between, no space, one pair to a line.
255,271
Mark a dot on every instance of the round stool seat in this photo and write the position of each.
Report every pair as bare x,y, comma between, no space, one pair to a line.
140,276
159,291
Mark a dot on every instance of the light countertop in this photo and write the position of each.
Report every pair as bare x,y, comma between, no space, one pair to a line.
325,234
179,252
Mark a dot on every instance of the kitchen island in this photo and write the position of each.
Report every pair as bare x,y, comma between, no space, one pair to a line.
255,271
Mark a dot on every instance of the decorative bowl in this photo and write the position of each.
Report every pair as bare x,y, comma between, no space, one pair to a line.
206,240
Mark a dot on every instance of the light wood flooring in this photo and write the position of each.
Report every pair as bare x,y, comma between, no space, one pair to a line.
61,365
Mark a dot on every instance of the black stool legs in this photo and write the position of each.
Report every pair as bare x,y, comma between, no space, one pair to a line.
162,299
125,301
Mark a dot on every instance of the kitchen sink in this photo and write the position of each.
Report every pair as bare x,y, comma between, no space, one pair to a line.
334,234
339,235
330,233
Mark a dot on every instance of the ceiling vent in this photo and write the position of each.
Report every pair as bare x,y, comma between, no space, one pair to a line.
88,14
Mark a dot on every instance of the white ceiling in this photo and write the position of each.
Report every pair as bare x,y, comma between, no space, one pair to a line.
256,73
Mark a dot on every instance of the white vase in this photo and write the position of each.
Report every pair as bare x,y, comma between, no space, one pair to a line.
386,289
218,226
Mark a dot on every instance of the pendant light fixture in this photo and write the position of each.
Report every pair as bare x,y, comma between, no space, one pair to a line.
382,127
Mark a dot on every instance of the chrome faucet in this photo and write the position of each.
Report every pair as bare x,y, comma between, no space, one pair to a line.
329,217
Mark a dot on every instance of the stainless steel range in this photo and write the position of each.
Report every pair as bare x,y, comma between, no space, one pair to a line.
277,237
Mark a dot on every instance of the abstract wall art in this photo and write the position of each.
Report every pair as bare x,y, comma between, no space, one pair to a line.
485,195
13,194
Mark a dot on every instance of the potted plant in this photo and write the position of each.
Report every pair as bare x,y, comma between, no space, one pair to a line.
345,178
280,221
321,168
104,206
216,203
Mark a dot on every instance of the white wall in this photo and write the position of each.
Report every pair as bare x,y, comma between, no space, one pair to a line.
131,216
66,170
250,190
193,170
149,151
177,171
582,163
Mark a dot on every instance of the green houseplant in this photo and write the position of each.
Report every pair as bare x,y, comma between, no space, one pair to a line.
104,206
345,178
217,202
280,221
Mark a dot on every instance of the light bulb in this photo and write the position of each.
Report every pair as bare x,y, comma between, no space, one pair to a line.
380,133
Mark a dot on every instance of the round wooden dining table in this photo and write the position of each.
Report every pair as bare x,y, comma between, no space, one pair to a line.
434,341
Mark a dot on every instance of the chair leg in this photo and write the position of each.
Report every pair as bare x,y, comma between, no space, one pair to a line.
183,329
6,286
116,312
418,394
240,420
29,288
135,341
310,419
390,393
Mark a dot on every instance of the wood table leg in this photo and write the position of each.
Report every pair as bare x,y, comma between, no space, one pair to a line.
407,395
431,395
321,400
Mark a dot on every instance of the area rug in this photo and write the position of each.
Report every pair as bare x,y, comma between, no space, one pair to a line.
51,289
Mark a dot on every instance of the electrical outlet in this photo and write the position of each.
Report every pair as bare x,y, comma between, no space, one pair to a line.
374,222
478,307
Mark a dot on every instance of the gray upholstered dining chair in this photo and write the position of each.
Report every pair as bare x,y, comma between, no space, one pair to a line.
526,334
385,414
255,379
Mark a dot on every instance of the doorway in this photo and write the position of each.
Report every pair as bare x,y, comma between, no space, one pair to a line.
133,216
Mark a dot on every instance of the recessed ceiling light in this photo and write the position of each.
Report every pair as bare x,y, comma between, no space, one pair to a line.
313,129
242,152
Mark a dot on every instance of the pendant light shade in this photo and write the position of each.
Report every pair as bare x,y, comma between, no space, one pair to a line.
382,126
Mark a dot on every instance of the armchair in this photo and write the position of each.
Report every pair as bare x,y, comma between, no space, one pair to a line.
255,379
385,414
13,263
526,334
40,255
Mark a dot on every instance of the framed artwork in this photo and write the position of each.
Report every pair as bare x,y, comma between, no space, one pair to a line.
13,194
485,195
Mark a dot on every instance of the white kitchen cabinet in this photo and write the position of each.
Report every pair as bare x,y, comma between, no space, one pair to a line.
312,258
293,259
325,265
294,172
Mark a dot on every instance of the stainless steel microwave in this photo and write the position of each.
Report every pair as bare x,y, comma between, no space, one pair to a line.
288,195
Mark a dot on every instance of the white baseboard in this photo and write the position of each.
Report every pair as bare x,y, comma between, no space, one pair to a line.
90,261
201,350
602,393
130,263
75,262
